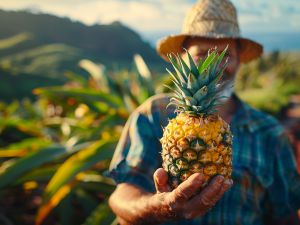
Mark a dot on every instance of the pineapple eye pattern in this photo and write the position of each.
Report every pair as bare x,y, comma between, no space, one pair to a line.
198,140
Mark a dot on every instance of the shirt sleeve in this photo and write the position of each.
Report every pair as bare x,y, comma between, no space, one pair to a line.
284,192
137,154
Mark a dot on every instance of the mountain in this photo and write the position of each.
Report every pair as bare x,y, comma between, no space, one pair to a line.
37,49
34,33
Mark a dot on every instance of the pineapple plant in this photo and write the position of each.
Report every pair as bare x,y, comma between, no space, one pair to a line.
197,140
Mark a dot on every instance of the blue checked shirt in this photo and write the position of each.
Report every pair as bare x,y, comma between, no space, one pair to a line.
266,183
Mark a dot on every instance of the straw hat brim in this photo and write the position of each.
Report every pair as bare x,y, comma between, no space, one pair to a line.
249,49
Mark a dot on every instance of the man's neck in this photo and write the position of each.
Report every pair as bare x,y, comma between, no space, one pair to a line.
228,109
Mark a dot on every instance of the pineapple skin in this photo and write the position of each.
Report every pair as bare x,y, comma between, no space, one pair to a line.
196,144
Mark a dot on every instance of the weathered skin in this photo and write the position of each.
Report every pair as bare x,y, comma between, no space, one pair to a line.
135,206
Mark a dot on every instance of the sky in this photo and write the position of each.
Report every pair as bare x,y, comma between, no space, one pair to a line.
153,19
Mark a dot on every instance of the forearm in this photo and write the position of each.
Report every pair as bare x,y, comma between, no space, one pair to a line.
134,206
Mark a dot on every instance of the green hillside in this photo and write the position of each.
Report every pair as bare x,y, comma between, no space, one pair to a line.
106,42
19,86
33,46
14,40
47,45
47,60
268,83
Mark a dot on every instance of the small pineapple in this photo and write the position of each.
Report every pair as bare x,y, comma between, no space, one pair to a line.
198,140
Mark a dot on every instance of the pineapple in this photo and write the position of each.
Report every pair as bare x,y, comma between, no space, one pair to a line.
198,140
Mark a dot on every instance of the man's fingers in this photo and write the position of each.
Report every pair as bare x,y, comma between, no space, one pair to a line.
160,178
188,188
208,197
211,193
226,185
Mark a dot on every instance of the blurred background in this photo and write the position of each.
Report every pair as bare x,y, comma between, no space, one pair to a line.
72,71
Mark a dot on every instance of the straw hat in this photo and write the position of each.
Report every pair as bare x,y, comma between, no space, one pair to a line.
207,20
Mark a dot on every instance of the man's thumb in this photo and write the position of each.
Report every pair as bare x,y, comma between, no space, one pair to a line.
160,178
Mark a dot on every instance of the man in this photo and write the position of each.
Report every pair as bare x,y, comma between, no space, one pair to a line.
266,186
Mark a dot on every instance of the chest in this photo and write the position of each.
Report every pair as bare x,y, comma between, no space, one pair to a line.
252,175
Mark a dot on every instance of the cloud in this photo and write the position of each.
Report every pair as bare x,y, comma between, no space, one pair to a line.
268,15
159,17
141,15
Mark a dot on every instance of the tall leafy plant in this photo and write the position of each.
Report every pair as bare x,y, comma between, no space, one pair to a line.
61,145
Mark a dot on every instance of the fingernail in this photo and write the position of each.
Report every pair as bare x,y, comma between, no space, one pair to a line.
228,182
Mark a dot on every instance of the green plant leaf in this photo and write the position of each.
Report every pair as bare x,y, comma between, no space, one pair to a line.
47,207
22,148
87,201
84,159
101,215
30,127
205,65
82,95
194,68
184,66
39,174
77,78
29,162
177,68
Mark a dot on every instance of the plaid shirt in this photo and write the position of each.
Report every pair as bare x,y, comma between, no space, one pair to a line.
266,183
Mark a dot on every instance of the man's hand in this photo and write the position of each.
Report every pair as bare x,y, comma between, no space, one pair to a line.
186,202
133,205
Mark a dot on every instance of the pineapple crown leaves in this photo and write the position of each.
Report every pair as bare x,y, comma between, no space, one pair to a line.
197,86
